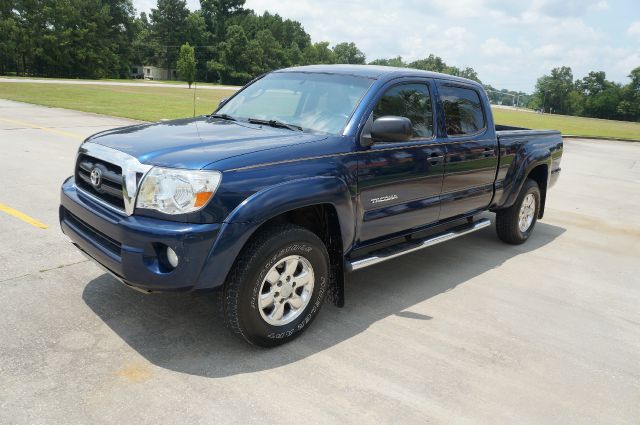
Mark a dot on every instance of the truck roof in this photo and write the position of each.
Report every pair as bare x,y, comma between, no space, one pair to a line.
374,72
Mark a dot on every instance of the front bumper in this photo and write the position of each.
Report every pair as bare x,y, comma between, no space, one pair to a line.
132,248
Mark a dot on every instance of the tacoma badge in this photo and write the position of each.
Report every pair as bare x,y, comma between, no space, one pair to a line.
384,199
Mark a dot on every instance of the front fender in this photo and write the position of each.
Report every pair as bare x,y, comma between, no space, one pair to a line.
266,204
275,200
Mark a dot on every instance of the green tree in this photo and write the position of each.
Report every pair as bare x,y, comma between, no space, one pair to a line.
294,55
200,38
397,61
634,85
187,63
601,97
629,106
9,40
196,29
169,26
237,62
552,91
75,38
431,63
469,73
593,83
286,31
217,14
273,55
318,53
605,103
348,53
146,48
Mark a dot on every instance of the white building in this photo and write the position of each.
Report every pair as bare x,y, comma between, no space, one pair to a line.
155,73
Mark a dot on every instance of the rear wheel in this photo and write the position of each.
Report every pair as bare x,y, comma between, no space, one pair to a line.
276,286
515,224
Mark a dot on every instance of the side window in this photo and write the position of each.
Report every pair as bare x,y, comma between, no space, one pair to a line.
462,110
411,101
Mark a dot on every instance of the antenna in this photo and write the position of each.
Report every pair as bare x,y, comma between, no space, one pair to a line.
195,86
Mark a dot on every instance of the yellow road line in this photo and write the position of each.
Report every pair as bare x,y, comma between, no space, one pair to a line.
47,129
22,216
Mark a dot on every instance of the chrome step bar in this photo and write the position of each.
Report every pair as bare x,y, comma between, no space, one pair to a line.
416,245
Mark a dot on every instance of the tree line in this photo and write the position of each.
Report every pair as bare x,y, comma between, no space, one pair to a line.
225,42
105,38
592,96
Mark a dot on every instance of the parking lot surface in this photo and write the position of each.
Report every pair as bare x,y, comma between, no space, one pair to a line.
473,331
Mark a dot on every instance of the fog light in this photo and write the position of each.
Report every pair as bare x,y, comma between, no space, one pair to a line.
172,257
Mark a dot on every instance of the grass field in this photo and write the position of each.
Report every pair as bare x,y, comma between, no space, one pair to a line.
577,126
154,102
141,103
110,80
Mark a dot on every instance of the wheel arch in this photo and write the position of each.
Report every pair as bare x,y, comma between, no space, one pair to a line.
286,197
540,174
535,165
321,204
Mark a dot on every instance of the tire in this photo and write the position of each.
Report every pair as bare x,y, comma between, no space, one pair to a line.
508,223
267,268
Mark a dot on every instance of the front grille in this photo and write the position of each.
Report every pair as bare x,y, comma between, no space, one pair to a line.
110,188
93,234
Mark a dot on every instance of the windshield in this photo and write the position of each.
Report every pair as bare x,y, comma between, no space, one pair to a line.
316,102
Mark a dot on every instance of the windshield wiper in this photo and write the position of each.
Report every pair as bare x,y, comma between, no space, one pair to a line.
275,123
223,116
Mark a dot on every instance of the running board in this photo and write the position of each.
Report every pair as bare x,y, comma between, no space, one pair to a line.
416,245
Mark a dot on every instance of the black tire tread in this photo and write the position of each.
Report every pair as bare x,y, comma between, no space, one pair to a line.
252,252
507,219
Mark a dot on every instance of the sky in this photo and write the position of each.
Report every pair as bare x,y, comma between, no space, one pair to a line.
510,43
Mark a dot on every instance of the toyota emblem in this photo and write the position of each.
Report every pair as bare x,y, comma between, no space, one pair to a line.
96,177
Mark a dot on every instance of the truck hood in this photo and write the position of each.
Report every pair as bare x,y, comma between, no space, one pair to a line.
196,142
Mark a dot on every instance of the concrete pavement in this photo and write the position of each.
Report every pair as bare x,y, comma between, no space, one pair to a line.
469,332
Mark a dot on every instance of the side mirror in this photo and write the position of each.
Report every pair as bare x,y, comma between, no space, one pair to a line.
222,102
391,129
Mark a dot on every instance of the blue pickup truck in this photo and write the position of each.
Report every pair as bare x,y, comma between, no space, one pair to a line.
303,175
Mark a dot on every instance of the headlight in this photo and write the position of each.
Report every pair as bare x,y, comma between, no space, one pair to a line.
174,191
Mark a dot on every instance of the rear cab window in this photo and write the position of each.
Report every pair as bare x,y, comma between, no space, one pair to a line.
463,110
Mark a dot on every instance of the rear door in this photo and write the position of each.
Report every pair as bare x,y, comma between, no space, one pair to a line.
399,183
471,158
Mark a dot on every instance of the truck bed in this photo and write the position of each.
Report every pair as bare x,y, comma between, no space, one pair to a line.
503,131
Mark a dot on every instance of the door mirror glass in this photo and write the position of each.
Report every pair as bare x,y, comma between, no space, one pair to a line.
391,129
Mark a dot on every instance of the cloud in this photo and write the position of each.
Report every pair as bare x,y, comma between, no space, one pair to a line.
510,43
634,30
567,8
144,5
493,47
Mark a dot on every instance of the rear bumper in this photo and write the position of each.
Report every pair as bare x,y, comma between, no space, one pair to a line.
133,248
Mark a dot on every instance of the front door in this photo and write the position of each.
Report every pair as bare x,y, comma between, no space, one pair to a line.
399,183
471,152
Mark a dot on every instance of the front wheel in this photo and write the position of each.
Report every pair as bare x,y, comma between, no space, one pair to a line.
515,224
276,286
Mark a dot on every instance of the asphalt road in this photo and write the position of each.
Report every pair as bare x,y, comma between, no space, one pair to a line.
469,332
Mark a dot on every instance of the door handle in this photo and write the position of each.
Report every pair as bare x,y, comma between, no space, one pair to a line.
487,152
